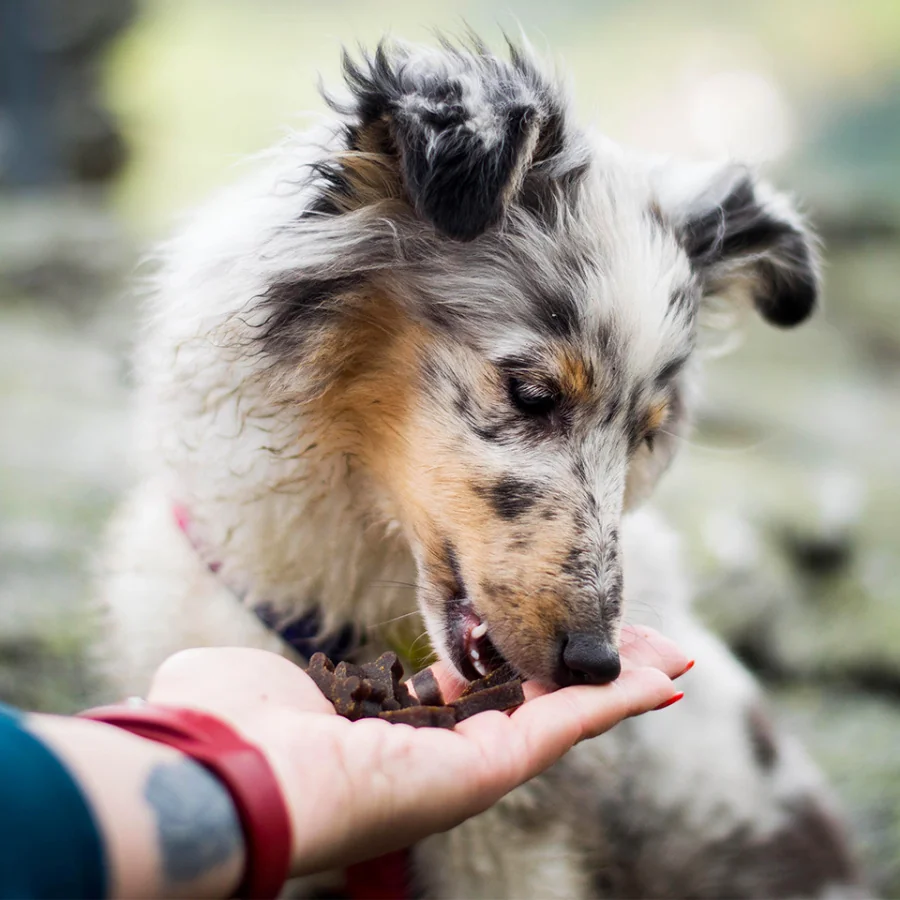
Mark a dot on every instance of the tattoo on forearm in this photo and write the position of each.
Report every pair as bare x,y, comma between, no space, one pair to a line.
196,821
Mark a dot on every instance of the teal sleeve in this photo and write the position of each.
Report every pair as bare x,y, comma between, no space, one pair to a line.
50,845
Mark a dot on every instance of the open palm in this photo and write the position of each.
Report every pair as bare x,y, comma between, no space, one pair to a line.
359,789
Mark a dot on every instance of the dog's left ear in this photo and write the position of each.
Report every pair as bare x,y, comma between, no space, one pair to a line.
745,241
459,128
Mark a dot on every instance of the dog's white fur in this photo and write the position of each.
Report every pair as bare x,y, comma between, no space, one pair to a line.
683,790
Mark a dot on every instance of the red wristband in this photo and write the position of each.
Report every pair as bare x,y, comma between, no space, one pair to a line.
243,769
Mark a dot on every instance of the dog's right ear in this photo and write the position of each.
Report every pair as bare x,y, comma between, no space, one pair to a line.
458,128
745,241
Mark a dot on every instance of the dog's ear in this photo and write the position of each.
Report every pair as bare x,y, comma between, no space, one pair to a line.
745,241
459,127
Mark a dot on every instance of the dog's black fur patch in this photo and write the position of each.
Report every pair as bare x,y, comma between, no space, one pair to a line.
511,497
682,300
293,305
788,297
452,561
457,177
670,370
635,418
786,287
557,314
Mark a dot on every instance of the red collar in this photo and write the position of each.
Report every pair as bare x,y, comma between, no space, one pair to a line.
385,877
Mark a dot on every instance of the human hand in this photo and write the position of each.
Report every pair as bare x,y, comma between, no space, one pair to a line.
356,790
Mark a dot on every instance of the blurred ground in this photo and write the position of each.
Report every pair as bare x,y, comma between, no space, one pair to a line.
787,495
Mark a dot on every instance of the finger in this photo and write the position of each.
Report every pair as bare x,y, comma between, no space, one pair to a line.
541,730
641,646
533,689
592,709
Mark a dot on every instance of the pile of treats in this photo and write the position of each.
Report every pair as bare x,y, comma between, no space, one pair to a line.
375,691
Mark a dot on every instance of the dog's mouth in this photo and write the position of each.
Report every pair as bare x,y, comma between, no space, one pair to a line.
472,651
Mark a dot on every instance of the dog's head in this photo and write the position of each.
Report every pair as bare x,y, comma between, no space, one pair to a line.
497,315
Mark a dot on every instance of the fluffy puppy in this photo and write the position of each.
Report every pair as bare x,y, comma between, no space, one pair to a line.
428,360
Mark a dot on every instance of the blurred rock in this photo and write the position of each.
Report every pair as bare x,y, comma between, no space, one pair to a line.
65,323
61,246
56,128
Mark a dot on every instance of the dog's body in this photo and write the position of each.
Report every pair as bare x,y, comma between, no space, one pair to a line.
447,344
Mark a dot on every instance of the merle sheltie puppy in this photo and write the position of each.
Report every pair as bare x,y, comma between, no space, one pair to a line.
427,362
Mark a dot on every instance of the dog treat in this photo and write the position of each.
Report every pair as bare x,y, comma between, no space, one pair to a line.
376,690
321,670
381,675
421,716
349,695
427,689
502,697
345,670
492,679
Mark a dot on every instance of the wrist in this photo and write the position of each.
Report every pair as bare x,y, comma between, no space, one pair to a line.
168,827
274,731
242,769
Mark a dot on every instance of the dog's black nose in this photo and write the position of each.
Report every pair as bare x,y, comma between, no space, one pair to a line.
588,659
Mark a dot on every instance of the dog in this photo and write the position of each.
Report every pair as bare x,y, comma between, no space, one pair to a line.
428,360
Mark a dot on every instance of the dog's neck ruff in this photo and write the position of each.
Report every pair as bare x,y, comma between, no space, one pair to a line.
385,877
302,634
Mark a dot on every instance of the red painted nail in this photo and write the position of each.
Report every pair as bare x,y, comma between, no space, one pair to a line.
686,669
670,701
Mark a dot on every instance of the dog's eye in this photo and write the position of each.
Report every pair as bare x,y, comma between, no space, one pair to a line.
531,399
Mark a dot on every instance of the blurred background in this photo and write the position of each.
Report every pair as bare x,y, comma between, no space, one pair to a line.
117,114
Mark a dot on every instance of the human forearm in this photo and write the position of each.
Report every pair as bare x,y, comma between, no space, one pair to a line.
169,827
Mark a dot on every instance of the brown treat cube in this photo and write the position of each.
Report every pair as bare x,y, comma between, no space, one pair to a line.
375,690
500,697
427,689
321,661
380,673
492,679
403,696
370,709
350,694
399,691
346,669
421,716
321,671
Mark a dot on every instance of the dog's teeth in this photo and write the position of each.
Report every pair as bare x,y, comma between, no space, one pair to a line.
480,667
474,654
479,631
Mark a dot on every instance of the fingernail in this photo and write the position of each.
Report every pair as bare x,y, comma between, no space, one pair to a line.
686,669
670,701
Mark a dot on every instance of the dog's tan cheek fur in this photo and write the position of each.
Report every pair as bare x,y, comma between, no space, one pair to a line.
428,471
373,403
576,376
